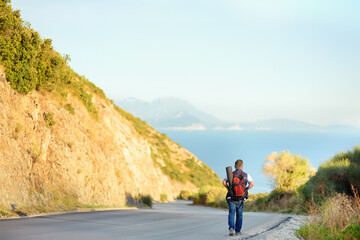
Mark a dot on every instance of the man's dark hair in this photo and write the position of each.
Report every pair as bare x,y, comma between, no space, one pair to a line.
239,164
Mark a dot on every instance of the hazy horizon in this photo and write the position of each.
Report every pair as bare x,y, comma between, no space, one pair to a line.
219,117
240,61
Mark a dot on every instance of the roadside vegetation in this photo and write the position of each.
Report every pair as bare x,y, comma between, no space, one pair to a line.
211,196
288,173
337,217
333,198
329,195
146,200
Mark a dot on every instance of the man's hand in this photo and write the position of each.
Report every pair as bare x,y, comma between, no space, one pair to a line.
224,182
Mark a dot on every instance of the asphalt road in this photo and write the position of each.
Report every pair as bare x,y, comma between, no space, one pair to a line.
176,220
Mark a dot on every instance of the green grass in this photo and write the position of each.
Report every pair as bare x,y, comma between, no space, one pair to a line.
4,213
317,231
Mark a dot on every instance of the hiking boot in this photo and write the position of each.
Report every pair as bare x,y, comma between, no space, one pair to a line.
231,232
237,233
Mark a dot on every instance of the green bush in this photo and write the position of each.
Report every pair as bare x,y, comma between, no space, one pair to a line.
257,202
49,119
70,108
31,63
211,196
185,195
4,213
146,200
86,98
337,175
200,199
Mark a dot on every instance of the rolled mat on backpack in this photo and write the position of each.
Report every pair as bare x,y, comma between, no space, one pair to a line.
229,174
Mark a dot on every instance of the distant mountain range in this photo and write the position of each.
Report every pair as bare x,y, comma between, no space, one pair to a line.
177,114
170,113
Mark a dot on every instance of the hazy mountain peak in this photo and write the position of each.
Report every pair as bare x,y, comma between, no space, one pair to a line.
170,112
178,114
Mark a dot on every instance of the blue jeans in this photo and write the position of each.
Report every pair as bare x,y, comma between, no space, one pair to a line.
238,208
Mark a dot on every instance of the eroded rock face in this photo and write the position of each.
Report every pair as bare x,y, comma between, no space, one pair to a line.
77,158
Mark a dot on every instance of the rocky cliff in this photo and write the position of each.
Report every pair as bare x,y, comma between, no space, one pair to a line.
53,158
64,144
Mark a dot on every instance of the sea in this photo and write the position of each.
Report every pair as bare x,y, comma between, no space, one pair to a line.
221,148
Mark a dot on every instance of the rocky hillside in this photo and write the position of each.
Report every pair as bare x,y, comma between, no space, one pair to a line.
64,144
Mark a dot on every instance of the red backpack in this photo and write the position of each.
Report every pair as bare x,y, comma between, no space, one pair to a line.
239,191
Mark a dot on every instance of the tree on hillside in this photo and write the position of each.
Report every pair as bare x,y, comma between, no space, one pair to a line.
287,171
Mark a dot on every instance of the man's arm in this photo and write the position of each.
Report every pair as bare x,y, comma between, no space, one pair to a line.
251,184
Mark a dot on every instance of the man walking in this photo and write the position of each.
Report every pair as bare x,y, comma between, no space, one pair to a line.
242,182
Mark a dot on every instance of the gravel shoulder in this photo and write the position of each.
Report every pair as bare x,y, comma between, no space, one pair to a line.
280,228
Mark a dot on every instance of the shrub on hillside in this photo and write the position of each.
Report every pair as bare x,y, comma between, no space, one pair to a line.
185,195
70,108
199,199
31,63
146,200
337,175
49,119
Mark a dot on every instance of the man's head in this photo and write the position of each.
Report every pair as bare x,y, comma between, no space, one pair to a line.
239,164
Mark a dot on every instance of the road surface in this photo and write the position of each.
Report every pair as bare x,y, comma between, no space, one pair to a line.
175,220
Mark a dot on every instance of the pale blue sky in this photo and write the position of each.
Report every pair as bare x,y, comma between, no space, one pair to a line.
237,60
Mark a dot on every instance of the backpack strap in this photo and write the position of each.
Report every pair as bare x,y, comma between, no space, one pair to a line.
241,177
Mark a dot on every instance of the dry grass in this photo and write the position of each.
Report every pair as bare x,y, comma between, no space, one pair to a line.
337,218
340,211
